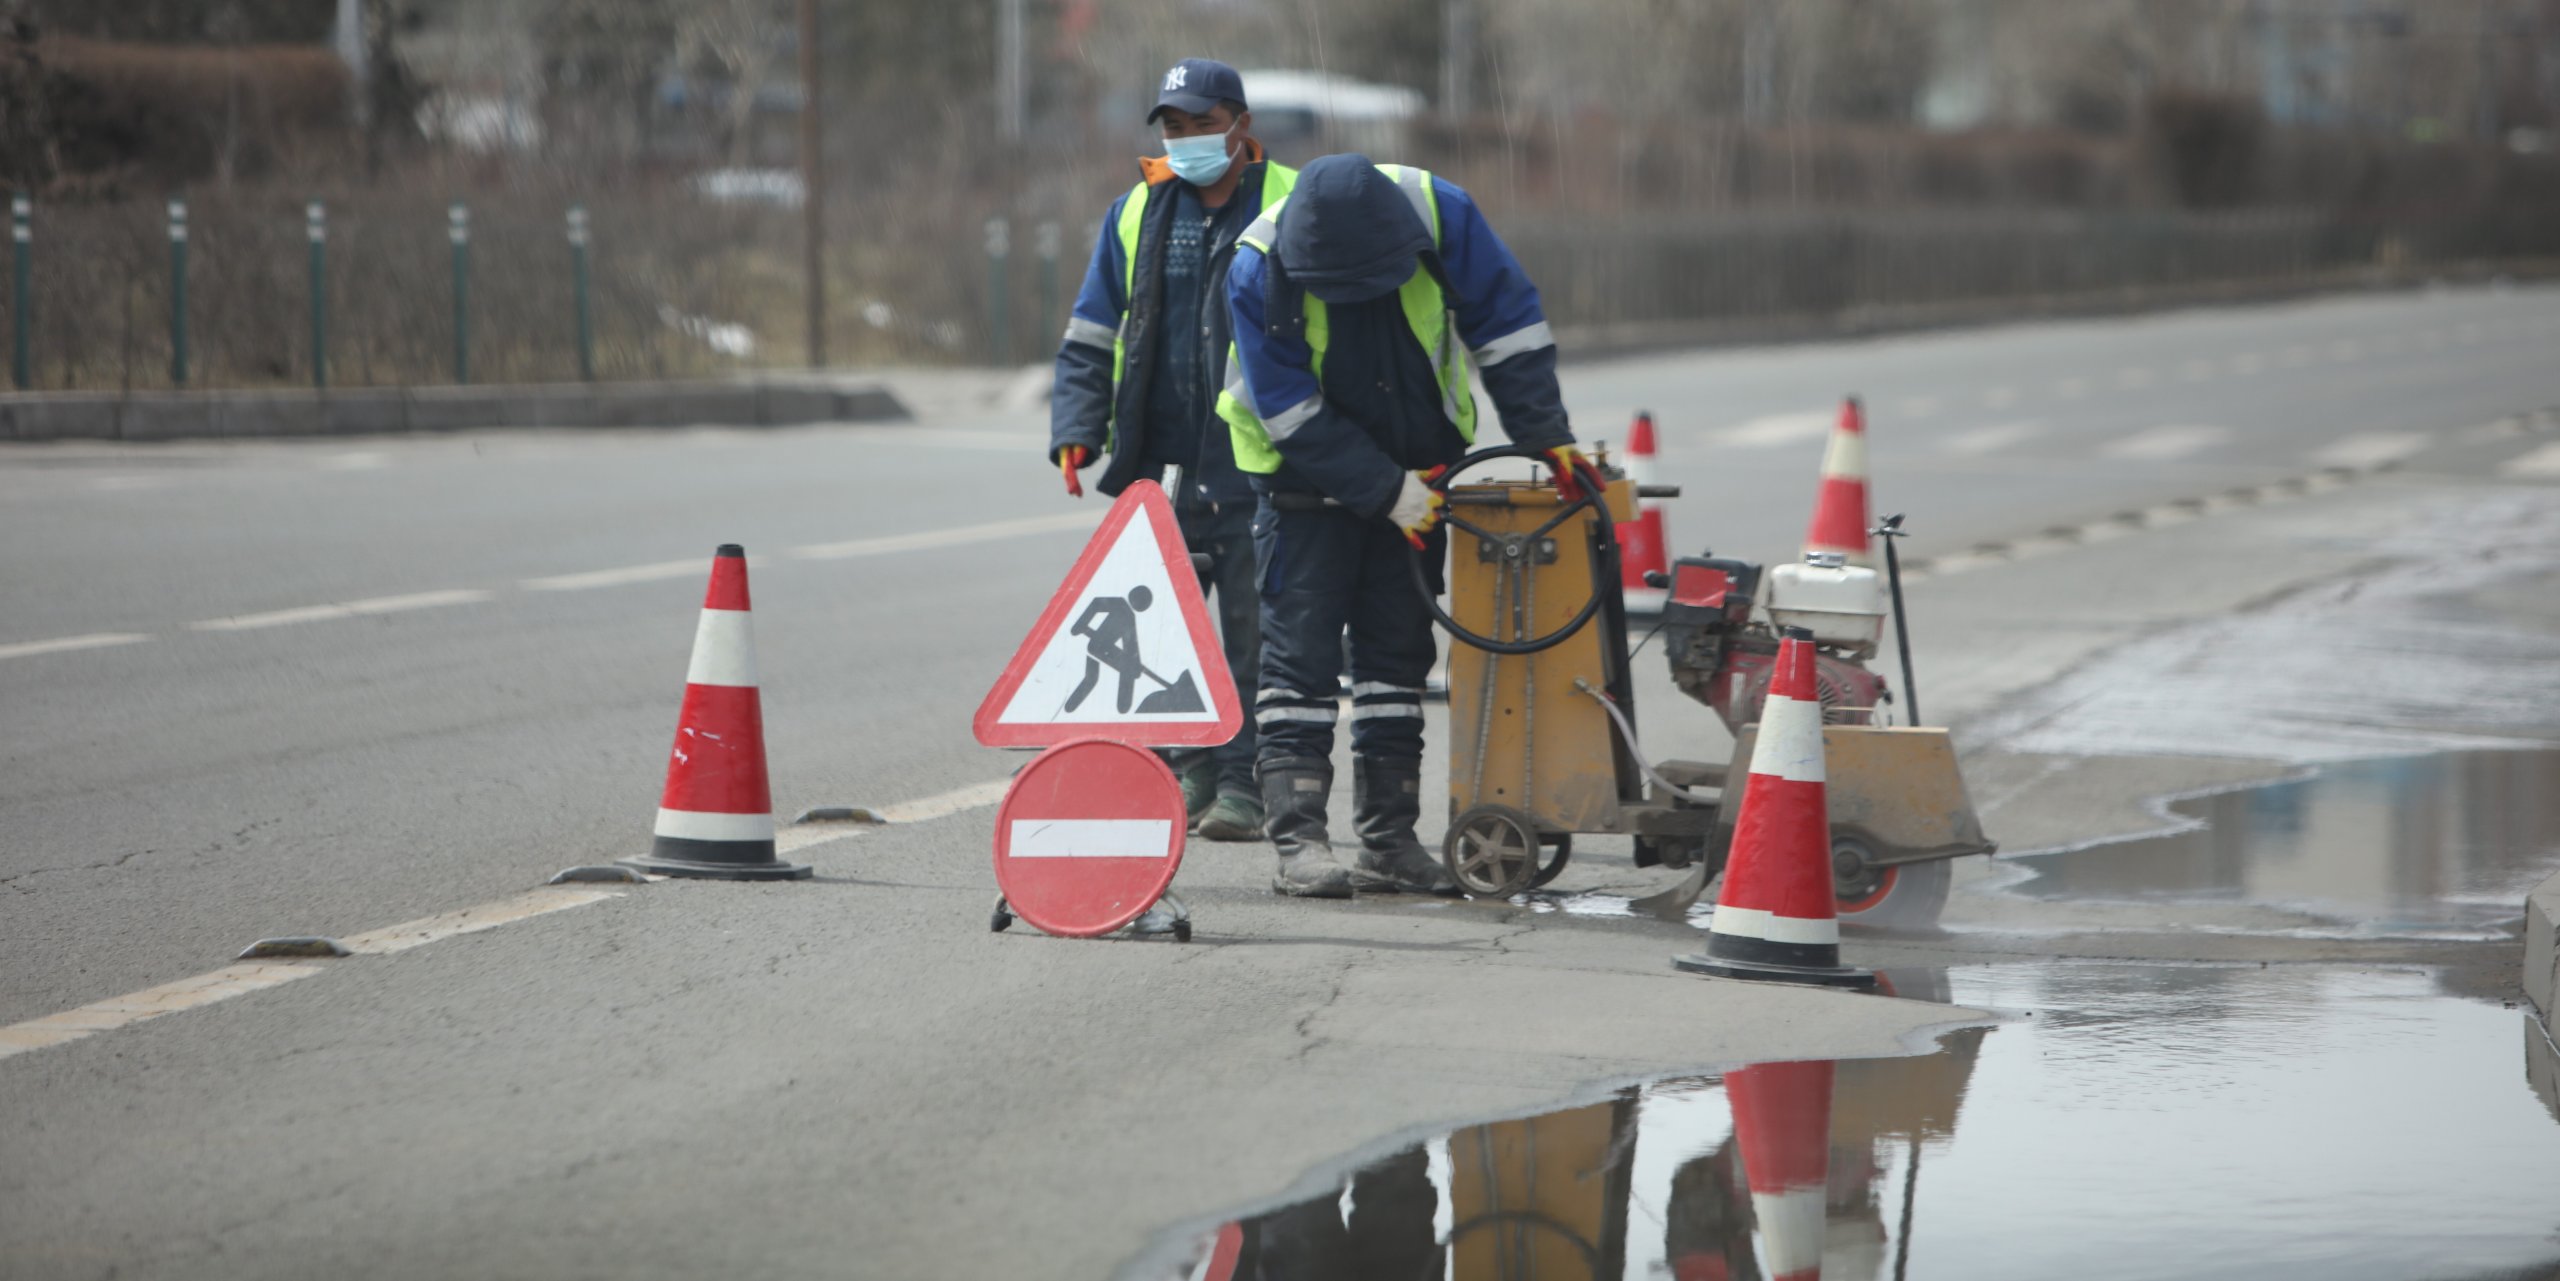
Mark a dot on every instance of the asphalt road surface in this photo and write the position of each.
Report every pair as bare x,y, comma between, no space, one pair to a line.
328,687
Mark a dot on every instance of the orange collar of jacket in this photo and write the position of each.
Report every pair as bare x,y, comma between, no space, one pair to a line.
1159,170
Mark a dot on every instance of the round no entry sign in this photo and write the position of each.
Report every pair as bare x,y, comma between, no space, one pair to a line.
1089,836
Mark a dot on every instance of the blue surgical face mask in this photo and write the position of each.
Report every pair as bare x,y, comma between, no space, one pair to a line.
1199,160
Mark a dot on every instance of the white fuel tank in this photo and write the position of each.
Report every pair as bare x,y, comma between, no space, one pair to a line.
1842,605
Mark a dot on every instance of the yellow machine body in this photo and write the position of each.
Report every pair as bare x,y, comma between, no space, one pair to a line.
1545,1196
1520,733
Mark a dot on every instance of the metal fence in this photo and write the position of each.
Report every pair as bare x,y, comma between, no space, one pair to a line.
400,289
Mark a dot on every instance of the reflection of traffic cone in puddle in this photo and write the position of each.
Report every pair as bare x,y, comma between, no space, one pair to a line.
1775,918
1782,1123
716,816
1840,507
1642,544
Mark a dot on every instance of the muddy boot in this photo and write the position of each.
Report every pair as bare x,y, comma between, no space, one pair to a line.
1293,798
1386,799
1199,777
1234,816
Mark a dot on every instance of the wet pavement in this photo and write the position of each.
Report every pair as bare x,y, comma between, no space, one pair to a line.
2127,1121
2123,1120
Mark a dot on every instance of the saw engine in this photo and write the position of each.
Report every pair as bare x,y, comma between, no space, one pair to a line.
1721,656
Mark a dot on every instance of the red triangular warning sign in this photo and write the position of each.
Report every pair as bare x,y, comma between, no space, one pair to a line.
1124,651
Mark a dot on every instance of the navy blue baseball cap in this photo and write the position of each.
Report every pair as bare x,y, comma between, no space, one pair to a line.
1196,85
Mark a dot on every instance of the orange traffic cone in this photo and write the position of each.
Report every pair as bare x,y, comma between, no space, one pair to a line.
1642,545
1775,918
716,817
1840,508
1782,1123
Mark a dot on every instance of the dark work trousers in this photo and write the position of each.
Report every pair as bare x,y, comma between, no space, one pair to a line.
1325,571
1224,534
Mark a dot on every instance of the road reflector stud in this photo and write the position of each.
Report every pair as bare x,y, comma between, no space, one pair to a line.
293,945
609,872
838,814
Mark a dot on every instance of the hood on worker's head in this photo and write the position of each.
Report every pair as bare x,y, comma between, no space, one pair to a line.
1349,234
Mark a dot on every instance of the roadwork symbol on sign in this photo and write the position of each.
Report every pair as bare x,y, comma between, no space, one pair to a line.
1124,651
1089,836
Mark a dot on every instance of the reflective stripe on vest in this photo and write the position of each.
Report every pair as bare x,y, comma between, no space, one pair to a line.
1277,179
1426,313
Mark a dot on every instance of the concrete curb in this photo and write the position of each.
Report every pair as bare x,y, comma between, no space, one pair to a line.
373,411
2542,949
1613,341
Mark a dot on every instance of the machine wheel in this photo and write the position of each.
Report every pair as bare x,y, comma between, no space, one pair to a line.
1493,851
1182,931
1553,868
1002,919
1893,896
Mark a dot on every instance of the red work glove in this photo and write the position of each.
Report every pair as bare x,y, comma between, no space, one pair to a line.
1573,472
1069,460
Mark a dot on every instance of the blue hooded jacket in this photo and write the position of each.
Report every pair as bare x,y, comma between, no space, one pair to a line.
1349,237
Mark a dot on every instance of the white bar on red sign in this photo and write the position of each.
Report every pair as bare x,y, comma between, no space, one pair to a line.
1089,838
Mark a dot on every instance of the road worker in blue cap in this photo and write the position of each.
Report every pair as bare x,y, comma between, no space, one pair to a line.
1139,371
1358,305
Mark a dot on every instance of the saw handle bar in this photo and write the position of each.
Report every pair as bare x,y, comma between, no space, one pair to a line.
1604,548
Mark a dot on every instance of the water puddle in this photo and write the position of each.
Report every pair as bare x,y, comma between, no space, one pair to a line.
2145,1121
2440,846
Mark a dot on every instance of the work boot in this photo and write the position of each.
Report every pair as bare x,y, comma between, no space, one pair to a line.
1234,816
1199,777
1386,801
1293,798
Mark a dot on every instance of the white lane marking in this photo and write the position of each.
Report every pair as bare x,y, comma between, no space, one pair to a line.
2541,462
1984,440
2165,443
2247,362
1773,430
472,920
2195,371
128,484
2297,355
2132,376
1089,838
355,460
343,609
962,536
922,809
617,577
2000,397
94,640
2370,449
253,976
2345,349
150,1003
2071,388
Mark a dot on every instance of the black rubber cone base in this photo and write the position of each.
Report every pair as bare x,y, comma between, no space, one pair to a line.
718,861
776,871
1818,975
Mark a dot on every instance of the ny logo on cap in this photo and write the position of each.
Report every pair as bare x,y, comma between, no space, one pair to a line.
1175,78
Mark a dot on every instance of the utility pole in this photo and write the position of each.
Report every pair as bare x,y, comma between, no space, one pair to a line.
813,188
1010,107
1457,57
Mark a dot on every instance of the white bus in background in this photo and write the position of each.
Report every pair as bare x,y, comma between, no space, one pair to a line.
1300,115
